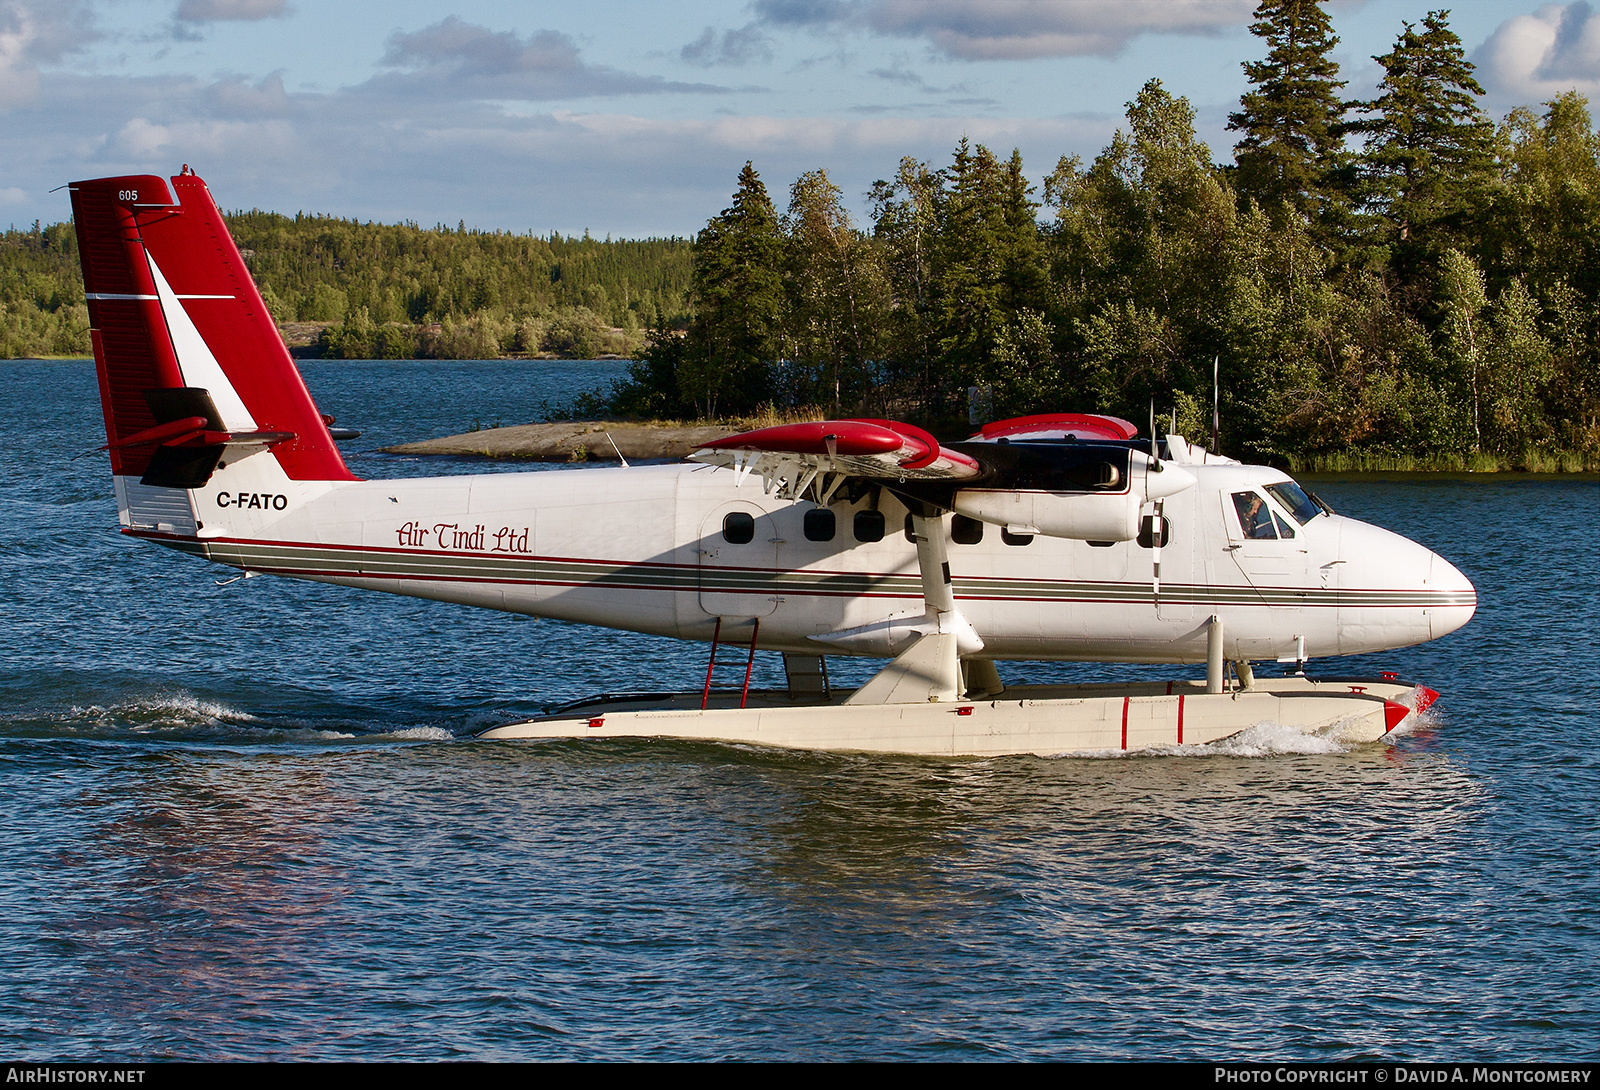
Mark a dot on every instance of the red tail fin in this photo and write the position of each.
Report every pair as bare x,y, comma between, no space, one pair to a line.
172,307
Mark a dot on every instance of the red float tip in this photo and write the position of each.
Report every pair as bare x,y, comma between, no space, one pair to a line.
1393,715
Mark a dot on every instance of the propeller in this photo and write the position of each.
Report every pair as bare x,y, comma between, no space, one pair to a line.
1216,413
1157,525
1155,459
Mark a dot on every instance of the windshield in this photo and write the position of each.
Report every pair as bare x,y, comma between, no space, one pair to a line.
1295,499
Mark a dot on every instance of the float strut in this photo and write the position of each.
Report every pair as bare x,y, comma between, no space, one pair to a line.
1213,654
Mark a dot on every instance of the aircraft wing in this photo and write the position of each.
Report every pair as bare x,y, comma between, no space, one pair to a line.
819,456
1063,475
1082,426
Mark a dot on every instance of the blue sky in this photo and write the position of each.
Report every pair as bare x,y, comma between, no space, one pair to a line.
630,118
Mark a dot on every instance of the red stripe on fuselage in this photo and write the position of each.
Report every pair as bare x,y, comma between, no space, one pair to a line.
785,586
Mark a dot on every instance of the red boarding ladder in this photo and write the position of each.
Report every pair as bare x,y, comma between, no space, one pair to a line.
749,663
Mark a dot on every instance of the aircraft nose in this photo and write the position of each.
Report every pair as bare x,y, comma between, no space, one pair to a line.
1395,592
1458,598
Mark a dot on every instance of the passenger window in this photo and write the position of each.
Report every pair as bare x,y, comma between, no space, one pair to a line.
1014,539
820,524
1254,518
869,526
738,528
965,531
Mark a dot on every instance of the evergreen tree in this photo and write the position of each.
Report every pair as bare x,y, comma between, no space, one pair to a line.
1142,242
739,300
1292,151
968,287
1546,230
1025,272
835,293
988,269
1429,156
1546,226
905,216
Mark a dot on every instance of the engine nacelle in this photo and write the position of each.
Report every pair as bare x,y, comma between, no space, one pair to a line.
1103,516
1107,510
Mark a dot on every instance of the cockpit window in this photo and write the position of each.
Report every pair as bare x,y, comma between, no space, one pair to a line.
1297,501
1255,519
1285,528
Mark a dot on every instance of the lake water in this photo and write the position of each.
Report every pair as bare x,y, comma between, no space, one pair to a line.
244,822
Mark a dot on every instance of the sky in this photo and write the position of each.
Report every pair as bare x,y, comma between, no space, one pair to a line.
632,118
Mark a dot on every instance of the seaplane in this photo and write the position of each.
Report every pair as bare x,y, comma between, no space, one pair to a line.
1062,536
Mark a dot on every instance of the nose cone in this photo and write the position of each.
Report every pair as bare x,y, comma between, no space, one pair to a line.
1171,480
1394,592
1458,598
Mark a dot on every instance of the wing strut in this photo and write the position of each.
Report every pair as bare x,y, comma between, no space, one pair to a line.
930,669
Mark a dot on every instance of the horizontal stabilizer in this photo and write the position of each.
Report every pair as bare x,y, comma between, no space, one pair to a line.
190,438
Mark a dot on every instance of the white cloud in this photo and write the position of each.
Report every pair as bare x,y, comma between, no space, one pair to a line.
1020,29
732,47
12,195
431,137
1538,56
457,59
355,153
205,11
140,140
1013,29
34,32
237,98
19,78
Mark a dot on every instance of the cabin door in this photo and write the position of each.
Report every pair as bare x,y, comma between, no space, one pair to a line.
738,561
1273,557
1267,547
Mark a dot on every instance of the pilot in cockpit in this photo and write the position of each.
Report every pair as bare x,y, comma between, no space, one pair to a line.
1254,517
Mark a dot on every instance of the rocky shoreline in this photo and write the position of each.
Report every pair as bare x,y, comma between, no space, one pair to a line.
570,441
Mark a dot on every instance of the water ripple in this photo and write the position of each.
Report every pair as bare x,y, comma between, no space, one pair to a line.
246,823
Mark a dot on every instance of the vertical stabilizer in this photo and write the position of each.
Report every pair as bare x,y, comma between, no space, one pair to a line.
189,360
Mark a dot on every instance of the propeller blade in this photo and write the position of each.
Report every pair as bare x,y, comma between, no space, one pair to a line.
1216,412
1157,537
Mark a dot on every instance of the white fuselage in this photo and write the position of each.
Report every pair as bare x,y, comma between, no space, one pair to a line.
644,549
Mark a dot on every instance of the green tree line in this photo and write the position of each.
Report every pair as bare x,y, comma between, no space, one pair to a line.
390,290
42,312
1384,278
